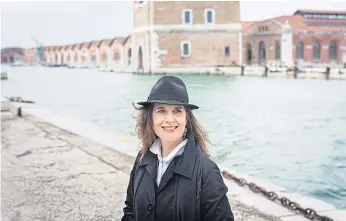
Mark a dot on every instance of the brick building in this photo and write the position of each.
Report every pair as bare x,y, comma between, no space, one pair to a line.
12,55
127,52
30,56
116,52
309,37
185,34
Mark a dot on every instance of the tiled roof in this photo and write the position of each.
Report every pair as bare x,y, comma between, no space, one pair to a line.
246,24
126,39
93,44
116,39
319,11
105,41
298,22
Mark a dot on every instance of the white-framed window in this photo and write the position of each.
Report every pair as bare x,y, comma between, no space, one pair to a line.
209,16
187,16
185,48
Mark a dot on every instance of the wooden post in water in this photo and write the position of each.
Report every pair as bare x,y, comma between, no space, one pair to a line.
19,112
295,70
265,70
327,72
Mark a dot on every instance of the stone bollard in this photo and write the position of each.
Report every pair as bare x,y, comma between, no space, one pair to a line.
327,72
265,71
19,112
295,71
242,70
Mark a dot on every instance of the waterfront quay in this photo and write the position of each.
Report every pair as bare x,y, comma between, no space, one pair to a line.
60,168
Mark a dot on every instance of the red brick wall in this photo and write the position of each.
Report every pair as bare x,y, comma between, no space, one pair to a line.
266,31
116,49
324,41
207,49
225,11
6,55
29,56
254,36
269,42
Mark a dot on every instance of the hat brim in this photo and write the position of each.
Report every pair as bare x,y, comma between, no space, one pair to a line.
190,106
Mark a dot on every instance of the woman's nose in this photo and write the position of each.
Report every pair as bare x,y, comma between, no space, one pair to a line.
169,117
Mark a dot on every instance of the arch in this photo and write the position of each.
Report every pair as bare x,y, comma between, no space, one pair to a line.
277,51
56,58
261,53
333,51
300,51
11,59
316,53
249,54
93,57
140,58
116,56
104,57
129,54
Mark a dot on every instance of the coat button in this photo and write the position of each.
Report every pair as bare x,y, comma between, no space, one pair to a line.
150,207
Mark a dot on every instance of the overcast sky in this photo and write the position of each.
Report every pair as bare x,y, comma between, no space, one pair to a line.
58,23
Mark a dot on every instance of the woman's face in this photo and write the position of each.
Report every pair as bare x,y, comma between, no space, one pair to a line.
169,122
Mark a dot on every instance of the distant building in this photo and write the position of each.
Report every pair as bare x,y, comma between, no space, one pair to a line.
127,52
309,37
30,56
116,53
170,34
104,55
12,55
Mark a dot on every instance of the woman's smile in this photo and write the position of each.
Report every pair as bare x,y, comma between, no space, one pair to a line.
169,129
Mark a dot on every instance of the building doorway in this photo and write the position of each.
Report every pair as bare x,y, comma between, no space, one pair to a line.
262,53
249,54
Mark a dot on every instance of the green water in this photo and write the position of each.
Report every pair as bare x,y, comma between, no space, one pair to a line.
290,132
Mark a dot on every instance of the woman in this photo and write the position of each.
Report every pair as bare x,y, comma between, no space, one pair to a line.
173,179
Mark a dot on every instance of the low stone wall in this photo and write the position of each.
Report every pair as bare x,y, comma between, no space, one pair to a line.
118,151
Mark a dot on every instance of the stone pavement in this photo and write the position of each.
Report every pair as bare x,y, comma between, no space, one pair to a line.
51,174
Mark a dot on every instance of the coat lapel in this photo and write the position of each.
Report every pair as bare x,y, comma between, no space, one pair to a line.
149,161
186,165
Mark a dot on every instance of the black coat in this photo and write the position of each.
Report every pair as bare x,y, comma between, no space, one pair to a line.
191,183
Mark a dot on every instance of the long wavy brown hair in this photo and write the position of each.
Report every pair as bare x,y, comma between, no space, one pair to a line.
146,135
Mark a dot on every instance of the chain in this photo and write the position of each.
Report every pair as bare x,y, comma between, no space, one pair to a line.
285,202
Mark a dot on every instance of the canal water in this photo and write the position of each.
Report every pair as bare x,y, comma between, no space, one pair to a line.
290,132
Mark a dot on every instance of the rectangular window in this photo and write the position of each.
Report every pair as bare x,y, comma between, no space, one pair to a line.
227,51
187,16
185,48
209,16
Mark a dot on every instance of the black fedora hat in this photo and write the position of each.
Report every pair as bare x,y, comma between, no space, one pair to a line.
169,90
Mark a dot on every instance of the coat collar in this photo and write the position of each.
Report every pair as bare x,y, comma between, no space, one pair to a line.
156,149
186,163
